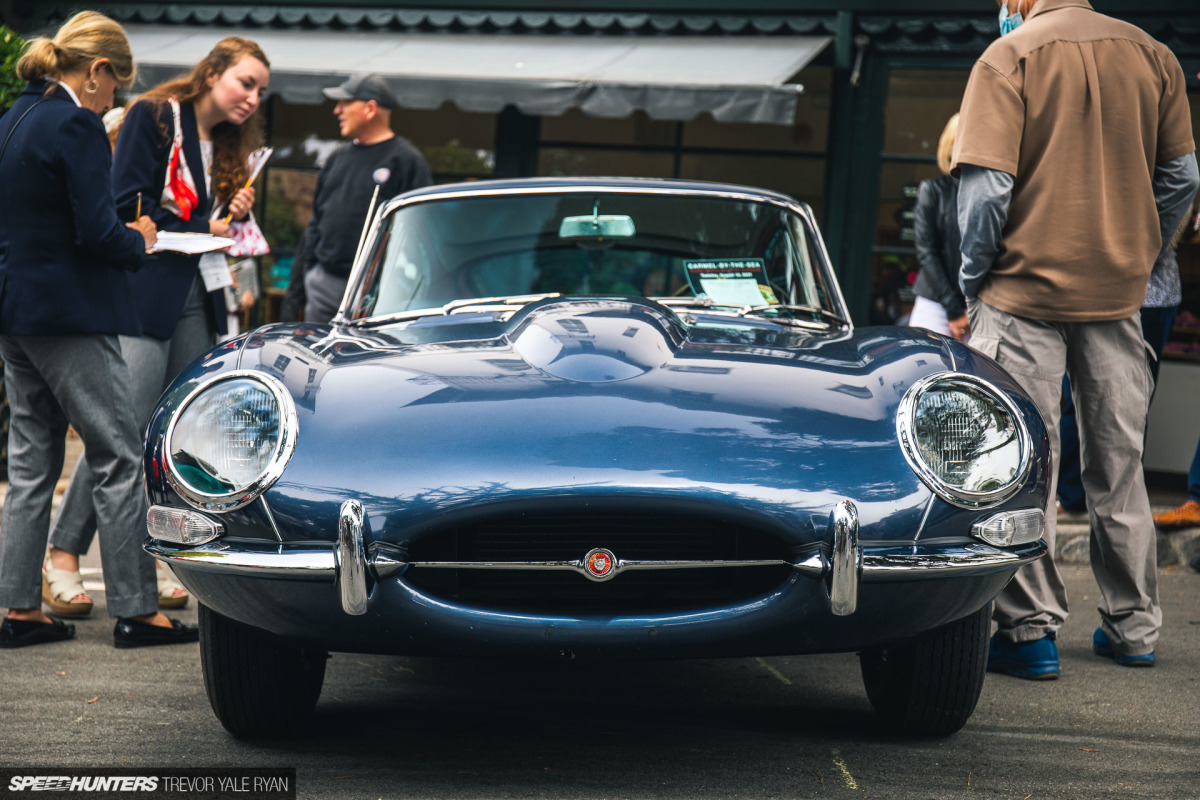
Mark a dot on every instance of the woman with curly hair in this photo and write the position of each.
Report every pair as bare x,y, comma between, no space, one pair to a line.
181,153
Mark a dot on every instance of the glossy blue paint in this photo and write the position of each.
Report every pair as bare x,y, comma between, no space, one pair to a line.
580,404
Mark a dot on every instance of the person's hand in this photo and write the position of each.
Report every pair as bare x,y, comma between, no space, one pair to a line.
146,227
247,300
960,327
218,227
241,203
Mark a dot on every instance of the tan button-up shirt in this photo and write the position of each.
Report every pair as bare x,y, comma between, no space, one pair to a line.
1078,108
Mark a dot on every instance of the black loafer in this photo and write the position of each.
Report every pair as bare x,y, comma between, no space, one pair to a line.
131,633
24,632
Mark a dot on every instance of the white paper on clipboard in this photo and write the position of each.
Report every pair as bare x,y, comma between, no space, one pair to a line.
189,243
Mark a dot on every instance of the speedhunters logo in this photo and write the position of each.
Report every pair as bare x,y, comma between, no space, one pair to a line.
47,783
93,783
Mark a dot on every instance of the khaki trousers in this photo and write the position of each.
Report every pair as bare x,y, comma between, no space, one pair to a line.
1111,383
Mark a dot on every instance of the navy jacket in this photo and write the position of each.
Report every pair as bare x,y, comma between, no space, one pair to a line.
63,251
140,165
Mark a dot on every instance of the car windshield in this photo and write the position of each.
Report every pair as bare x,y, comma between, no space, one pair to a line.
724,253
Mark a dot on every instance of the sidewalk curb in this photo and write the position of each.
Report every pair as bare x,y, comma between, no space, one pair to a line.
1071,546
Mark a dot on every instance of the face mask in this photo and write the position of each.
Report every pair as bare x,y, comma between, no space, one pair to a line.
1009,22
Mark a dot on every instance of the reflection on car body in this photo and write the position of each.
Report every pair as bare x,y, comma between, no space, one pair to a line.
597,419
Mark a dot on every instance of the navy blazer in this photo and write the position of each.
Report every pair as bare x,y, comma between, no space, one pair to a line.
140,165
63,251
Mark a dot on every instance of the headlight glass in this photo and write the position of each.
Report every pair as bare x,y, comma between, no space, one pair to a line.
965,439
229,441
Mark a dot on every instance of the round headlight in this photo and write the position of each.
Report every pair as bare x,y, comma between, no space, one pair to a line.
230,440
965,439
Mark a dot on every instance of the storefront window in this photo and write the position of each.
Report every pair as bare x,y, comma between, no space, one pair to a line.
785,158
918,105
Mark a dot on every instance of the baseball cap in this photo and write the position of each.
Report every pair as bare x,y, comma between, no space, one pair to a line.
364,86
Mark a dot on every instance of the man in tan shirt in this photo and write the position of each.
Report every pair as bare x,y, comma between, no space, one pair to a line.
1075,154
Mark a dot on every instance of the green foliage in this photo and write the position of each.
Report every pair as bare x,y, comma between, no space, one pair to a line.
453,158
11,86
280,226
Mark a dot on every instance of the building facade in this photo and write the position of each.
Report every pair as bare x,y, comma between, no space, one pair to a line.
837,104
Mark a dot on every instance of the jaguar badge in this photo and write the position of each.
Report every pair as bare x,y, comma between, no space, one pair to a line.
600,564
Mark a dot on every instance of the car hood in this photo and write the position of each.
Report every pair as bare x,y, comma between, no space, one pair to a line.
599,400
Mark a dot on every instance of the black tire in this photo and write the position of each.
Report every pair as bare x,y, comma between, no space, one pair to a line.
929,686
257,682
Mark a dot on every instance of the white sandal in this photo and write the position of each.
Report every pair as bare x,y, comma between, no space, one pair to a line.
60,587
171,593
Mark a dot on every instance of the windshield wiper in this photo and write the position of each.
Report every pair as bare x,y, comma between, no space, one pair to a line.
814,310
457,307
741,311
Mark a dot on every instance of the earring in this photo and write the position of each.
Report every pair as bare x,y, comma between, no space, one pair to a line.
92,86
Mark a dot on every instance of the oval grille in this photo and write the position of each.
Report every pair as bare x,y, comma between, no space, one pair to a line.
519,539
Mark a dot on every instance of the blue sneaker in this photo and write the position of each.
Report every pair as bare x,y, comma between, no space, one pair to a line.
1034,661
1101,646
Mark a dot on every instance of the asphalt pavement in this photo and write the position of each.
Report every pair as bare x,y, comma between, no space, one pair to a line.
389,727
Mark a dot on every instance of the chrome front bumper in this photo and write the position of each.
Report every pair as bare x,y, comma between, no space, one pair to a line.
351,561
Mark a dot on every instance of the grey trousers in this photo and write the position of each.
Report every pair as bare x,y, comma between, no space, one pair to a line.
1111,384
82,379
323,294
153,364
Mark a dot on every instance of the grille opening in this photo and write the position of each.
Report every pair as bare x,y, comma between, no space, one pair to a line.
569,537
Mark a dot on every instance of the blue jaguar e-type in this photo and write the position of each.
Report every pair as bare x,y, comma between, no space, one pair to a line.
596,419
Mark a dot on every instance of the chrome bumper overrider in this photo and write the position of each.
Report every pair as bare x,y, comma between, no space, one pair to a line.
844,565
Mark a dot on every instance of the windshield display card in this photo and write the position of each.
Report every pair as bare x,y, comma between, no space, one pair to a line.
731,281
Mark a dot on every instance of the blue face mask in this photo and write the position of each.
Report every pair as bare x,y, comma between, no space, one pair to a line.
1009,22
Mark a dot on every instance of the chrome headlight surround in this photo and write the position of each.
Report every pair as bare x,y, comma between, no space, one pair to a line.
273,465
907,419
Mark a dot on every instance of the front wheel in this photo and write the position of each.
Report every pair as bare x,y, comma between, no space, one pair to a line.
257,682
929,685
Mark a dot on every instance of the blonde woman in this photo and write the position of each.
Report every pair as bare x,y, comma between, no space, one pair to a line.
182,149
64,299
939,305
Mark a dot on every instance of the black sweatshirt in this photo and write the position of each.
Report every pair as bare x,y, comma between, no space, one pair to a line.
343,196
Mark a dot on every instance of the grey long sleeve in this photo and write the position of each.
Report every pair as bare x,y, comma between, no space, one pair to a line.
983,198
1175,184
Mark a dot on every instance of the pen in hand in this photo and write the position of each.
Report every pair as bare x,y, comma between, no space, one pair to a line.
246,185
138,214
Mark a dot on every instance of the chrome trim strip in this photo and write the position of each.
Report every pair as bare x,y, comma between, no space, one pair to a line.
882,564
579,565
907,435
350,558
295,562
924,516
847,559
386,559
262,498
288,428
879,564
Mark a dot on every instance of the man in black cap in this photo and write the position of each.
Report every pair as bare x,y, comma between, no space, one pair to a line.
376,156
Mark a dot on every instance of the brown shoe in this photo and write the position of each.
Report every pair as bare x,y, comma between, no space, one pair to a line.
1186,516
